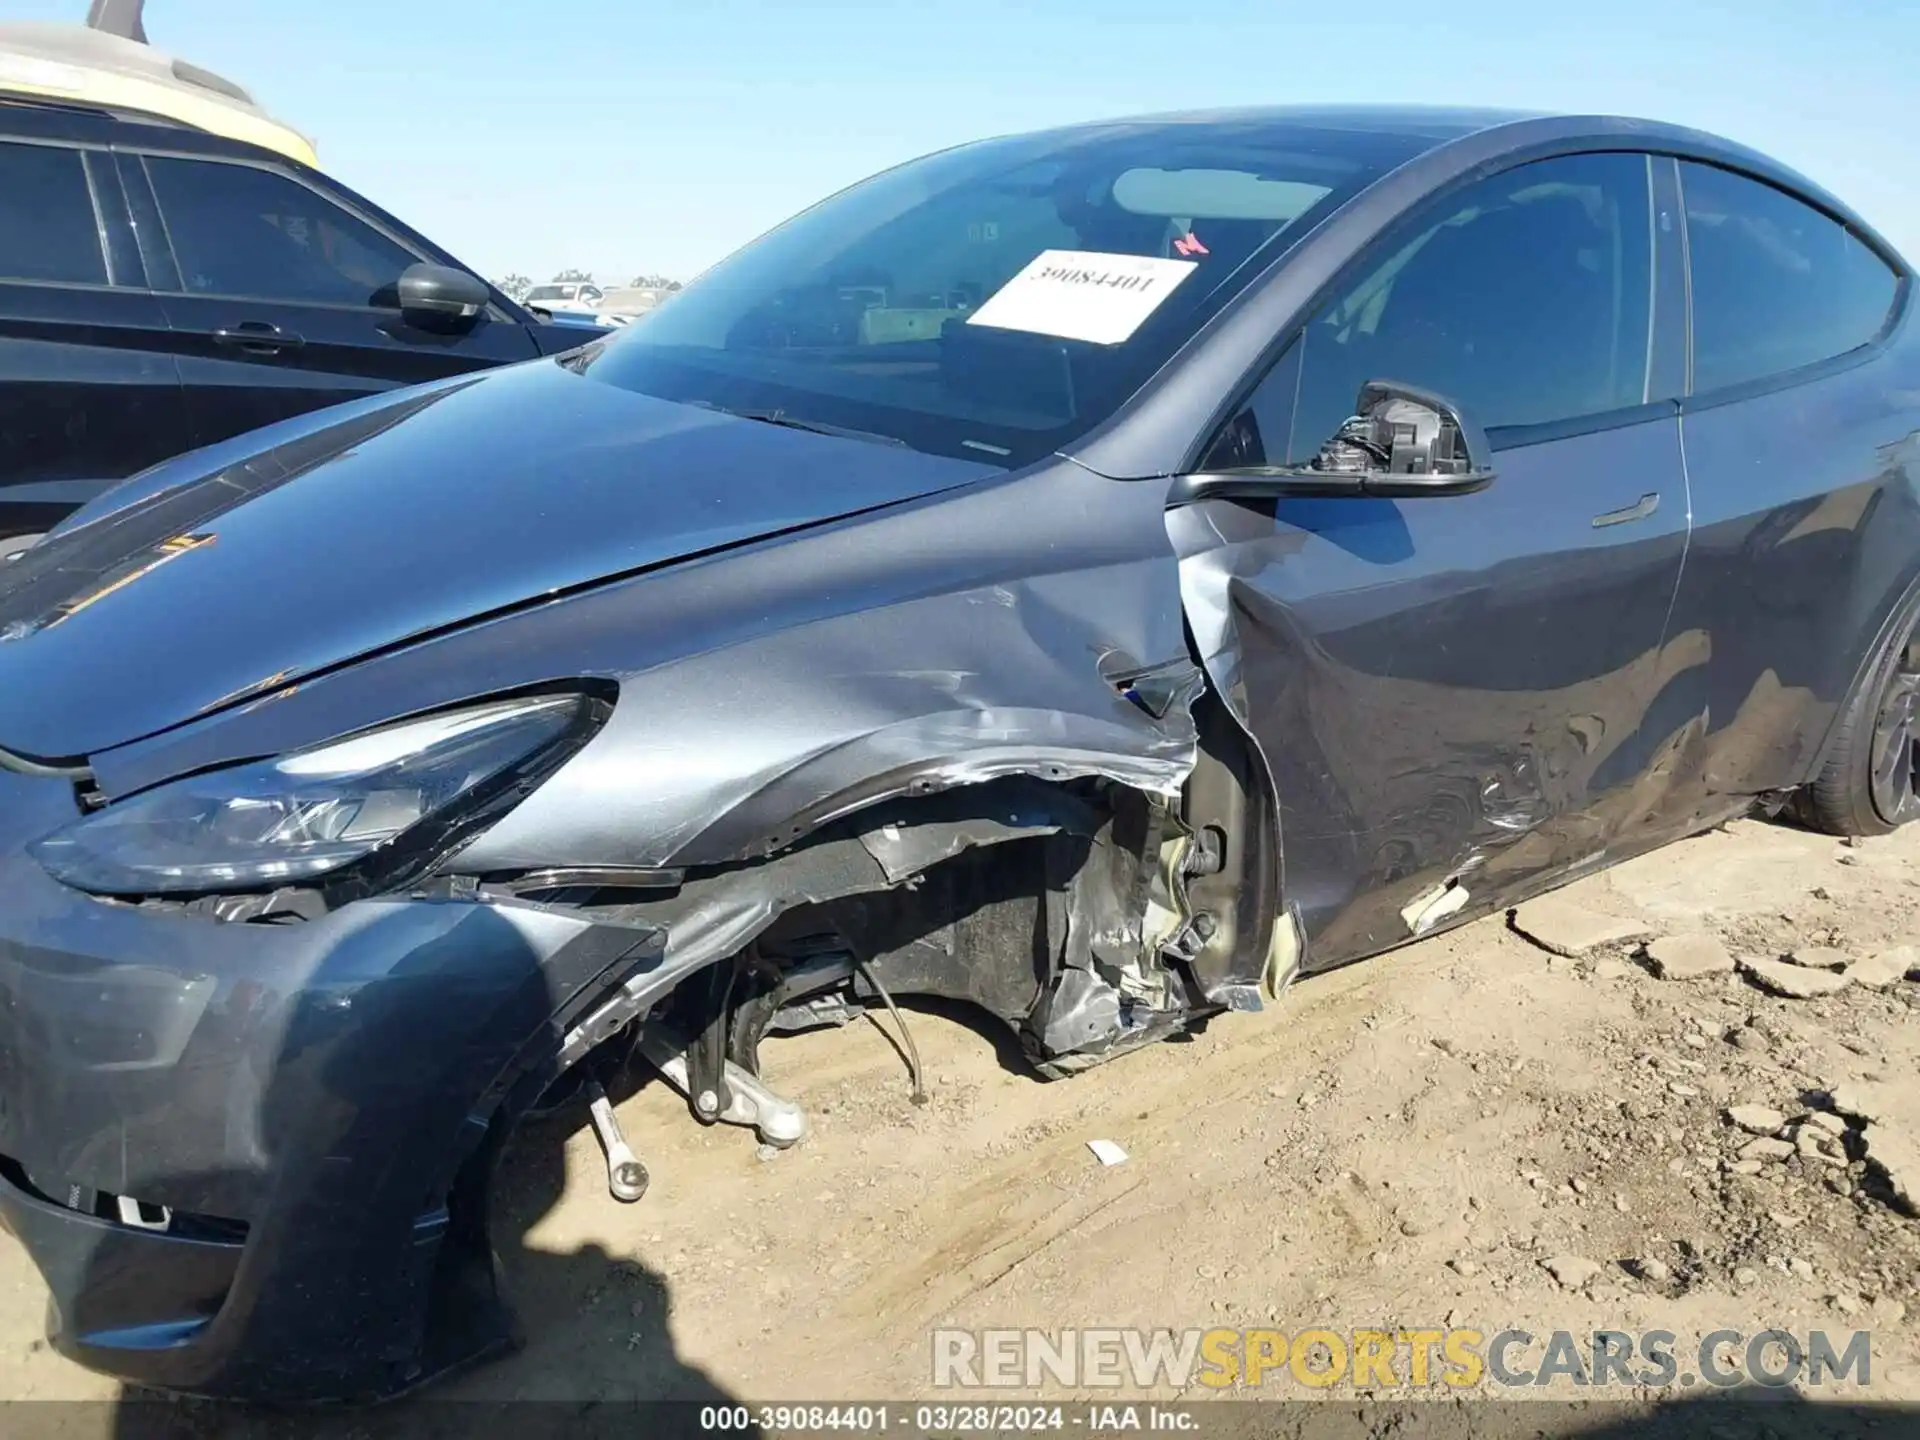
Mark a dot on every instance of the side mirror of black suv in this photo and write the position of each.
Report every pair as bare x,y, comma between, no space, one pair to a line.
439,295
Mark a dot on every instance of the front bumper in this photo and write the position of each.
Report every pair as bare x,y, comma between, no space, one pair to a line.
299,1098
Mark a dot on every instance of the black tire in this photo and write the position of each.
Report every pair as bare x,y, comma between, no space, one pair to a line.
1870,784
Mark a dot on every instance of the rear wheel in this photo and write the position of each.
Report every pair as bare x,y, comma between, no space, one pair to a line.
1870,784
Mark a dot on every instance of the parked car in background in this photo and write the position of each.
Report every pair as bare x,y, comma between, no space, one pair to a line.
569,298
630,302
577,299
1093,576
163,288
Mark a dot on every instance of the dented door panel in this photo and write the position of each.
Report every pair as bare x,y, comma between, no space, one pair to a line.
1446,689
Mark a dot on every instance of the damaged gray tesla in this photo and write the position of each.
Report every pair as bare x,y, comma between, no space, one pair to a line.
1096,575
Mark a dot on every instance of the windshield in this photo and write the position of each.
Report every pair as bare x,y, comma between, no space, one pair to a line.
996,301
552,292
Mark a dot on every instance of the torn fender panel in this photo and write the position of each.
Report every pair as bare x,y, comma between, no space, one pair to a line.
990,631
1039,920
944,826
824,722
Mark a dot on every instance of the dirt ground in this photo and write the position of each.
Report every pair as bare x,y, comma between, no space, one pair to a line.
1421,1140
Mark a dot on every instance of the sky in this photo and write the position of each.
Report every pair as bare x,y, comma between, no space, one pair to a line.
629,136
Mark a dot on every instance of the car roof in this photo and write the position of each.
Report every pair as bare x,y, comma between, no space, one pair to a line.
1402,132
1414,127
1428,122
1420,128
78,66
97,122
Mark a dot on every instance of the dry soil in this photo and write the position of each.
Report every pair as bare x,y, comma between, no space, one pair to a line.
1424,1139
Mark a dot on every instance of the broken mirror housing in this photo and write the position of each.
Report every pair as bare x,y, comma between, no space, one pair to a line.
1401,430
1400,443
305,815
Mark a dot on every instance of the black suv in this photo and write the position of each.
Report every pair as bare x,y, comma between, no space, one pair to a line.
162,288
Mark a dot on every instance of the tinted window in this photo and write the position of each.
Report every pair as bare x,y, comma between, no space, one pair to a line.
1776,284
47,225
1524,298
241,231
889,307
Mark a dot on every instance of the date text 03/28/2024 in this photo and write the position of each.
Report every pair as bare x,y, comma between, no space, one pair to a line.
937,1419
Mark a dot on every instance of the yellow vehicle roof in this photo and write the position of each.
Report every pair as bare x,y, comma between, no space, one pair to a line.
90,67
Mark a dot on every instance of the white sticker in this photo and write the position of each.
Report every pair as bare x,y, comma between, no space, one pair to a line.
1083,295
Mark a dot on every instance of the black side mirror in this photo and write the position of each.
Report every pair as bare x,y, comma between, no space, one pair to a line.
1401,442
439,295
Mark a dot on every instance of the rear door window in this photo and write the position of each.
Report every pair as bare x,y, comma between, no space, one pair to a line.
1777,284
238,230
49,231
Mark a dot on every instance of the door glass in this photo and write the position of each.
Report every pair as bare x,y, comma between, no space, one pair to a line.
1776,284
48,230
242,231
1525,299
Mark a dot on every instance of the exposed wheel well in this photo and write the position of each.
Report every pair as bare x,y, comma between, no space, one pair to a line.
1070,910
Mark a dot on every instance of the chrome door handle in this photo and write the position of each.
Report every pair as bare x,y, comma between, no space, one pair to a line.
257,337
1639,510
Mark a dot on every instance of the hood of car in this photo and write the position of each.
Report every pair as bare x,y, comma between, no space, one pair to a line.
398,521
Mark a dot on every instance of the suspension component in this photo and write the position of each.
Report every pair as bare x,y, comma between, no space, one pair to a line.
748,1101
626,1177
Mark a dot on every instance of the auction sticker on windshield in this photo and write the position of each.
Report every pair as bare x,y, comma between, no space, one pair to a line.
1083,295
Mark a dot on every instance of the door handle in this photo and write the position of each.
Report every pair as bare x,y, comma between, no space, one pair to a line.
257,337
1639,510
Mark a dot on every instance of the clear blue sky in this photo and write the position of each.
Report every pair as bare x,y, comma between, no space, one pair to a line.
658,136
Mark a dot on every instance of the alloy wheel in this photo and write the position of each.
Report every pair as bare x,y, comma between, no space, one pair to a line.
1895,777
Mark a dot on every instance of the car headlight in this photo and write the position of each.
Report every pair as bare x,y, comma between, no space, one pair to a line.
305,815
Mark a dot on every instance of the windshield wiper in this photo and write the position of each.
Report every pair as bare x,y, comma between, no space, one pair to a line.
791,422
